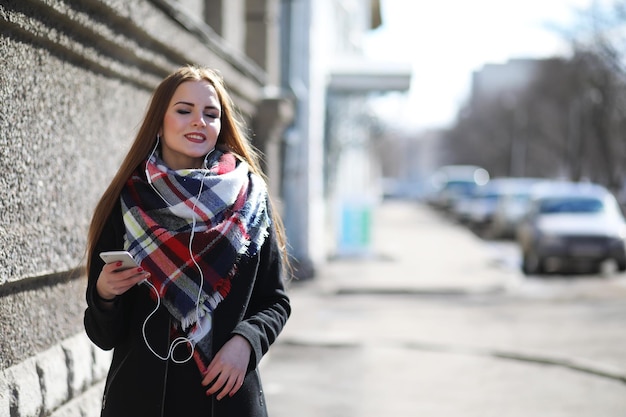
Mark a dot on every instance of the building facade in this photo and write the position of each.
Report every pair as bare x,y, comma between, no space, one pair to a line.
328,163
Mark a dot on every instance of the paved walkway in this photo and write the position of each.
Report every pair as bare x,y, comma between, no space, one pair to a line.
415,249
431,325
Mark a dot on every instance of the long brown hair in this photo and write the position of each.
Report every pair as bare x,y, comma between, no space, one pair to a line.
232,138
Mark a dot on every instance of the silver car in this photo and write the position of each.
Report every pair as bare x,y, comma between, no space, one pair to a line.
571,226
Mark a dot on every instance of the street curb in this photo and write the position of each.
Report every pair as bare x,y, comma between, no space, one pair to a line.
442,291
575,364
339,289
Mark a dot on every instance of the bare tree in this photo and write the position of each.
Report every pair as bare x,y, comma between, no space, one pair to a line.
567,122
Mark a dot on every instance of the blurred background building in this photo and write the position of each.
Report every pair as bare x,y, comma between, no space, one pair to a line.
329,171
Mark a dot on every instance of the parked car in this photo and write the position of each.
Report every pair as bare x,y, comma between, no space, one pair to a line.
455,182
511,207
462,205
570,226
482,207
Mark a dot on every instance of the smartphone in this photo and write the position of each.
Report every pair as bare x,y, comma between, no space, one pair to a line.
119,255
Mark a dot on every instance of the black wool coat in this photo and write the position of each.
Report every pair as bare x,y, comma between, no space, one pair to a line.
140,384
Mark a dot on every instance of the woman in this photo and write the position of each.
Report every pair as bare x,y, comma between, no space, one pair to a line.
191,322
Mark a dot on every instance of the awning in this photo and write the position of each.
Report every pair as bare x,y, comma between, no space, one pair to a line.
364,76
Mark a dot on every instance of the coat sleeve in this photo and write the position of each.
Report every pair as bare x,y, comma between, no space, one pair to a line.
269,306
105,327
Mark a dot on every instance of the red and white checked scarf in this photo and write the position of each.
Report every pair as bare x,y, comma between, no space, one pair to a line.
229,204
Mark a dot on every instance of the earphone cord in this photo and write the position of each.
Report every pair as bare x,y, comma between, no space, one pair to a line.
181,339
175,342
149,177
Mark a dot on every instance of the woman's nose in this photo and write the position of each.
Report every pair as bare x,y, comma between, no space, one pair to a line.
199,121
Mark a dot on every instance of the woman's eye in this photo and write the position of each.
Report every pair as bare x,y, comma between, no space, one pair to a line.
182,111
211,116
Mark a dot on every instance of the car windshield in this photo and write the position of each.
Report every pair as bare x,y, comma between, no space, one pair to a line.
461,187
570,205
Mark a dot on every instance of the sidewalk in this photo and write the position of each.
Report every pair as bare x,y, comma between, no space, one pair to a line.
426,326
415,249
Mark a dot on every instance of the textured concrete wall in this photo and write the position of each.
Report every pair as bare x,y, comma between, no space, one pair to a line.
75,80
65,380
74,85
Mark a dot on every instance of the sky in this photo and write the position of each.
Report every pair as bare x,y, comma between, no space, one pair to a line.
444,41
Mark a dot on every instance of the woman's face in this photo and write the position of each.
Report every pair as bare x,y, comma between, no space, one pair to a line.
191,125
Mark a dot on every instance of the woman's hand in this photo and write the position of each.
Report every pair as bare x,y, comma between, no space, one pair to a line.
112,283
227,370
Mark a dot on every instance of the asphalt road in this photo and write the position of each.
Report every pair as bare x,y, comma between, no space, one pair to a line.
436,322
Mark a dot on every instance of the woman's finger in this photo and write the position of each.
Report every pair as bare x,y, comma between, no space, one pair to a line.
217,386
238,384
228,387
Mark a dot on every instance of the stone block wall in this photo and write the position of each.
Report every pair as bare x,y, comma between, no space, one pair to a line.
64,380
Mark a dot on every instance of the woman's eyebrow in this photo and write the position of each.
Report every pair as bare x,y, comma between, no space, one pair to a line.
192,105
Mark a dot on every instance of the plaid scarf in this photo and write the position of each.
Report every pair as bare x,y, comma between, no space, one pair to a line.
218,214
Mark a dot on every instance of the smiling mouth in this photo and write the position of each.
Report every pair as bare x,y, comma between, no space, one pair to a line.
196,137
